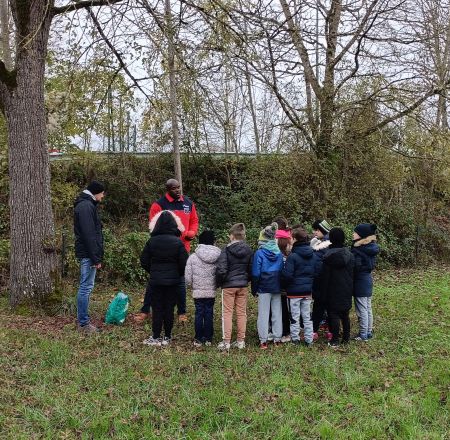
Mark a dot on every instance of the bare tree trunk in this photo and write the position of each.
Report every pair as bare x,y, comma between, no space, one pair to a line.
173,93
4,22
252,109
32,261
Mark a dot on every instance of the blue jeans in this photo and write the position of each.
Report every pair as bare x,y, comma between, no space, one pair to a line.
87,279
204,319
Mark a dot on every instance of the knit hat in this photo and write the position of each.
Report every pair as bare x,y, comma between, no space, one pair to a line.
207,237
282,233
337,237
366,229
95,187
268,232
322,225
238,231
300,235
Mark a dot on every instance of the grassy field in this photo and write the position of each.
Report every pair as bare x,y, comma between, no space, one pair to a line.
57,384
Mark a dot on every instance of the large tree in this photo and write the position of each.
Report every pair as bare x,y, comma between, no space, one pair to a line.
33,252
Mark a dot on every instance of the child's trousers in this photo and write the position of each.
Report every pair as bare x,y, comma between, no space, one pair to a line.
234,297
335,317
301,307
363,309
204,319
267,303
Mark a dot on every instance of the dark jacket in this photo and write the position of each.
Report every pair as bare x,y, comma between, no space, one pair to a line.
365,252
234,266
266,271
301,266
164,256
88,229
337,279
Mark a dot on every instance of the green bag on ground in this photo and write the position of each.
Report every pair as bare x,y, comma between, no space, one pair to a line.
118,309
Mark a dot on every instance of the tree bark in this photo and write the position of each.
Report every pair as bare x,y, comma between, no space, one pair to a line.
4,22
173,93
32,261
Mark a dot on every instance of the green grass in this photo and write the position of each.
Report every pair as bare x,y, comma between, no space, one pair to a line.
57,384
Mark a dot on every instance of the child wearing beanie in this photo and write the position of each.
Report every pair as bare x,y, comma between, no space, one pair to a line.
298,276
233,273
336,285
200,274
266,269
365,250
320,243
284,241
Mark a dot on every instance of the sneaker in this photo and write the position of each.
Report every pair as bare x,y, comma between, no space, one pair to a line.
208,344
238,344
89,329
369,335
277,343
333,344
223,346
198,343
141,317
270,337
263,346
153,342
315,336
329,336
308,344
166,341
296,341
359,338
285,339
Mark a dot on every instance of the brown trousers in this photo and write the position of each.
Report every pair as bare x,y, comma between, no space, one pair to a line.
231,298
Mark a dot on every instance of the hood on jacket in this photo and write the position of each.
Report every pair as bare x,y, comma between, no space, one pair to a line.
239,249
338,257
302,249
368,245
155,220
270,255
82,197
271,246
165,224
207,253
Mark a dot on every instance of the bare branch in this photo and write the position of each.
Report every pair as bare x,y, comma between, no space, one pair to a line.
83,4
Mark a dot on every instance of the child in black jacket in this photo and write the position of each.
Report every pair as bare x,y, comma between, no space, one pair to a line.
164,258
336,285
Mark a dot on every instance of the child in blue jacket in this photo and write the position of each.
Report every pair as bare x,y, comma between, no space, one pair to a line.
266,270
365,249
298,275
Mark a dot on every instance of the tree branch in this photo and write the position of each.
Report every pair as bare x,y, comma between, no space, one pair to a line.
82,4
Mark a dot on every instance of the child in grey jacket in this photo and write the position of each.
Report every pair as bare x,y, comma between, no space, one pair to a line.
200,274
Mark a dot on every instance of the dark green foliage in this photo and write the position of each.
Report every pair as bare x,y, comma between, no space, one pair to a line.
374,186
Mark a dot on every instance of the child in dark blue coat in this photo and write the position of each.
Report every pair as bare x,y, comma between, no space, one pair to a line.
266,271
298,276
365,249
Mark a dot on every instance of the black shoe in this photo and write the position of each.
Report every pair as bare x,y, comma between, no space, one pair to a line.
345,341
296,341
333,344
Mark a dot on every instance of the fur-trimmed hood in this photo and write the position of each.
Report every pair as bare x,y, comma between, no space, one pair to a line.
364,241
157,227
320,245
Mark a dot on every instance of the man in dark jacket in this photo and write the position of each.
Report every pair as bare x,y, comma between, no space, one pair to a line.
88,248
336,285
164,258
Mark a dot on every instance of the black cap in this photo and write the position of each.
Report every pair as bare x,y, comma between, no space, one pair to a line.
95,187
337,237
207,237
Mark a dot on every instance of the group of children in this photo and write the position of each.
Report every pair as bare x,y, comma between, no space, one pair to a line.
300,284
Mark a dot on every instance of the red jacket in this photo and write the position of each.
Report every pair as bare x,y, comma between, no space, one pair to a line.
184,208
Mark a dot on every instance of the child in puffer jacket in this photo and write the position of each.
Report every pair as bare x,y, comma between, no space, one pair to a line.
365,249
200,274
266,271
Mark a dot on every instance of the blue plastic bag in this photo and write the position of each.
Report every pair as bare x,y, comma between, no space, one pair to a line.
118,309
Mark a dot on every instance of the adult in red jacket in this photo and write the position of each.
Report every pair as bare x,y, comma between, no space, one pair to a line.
184,208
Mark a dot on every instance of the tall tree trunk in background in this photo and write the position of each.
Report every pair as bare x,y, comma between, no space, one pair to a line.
4,23
173,92
32,259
